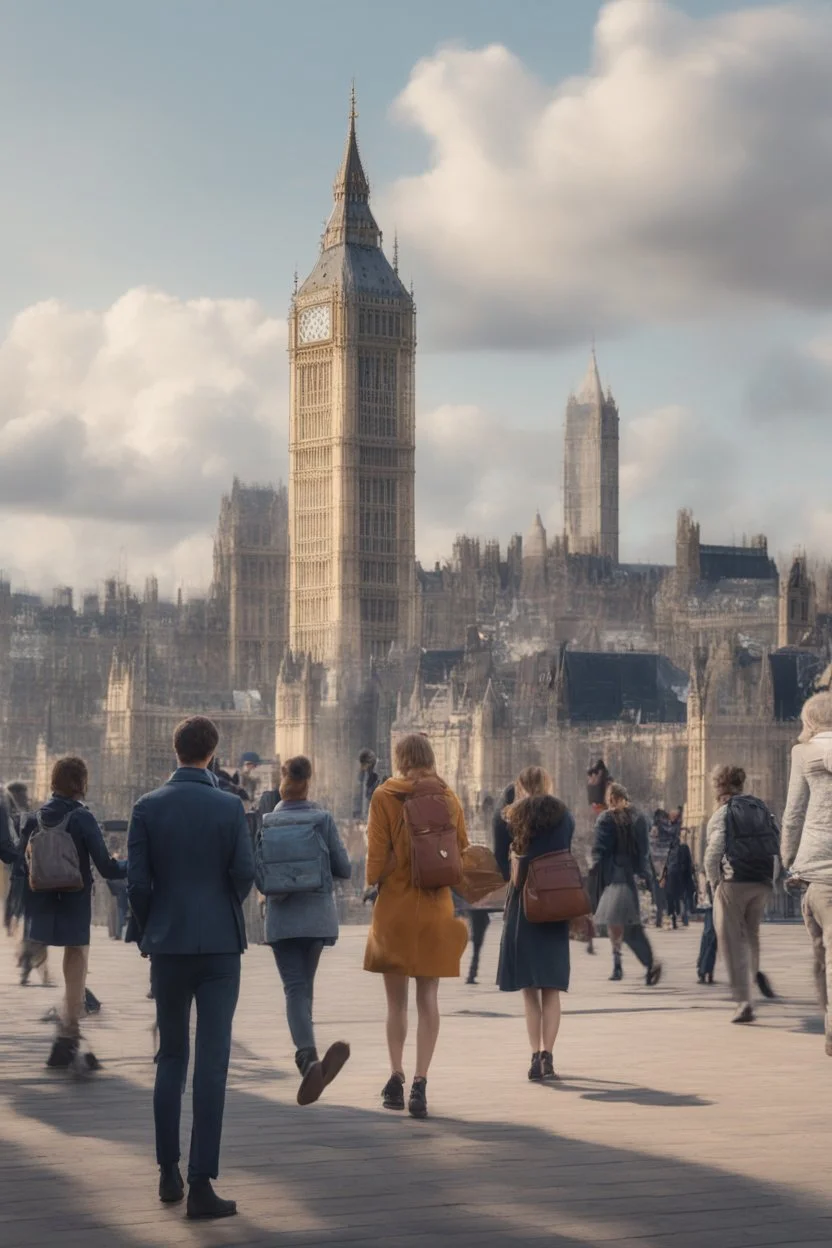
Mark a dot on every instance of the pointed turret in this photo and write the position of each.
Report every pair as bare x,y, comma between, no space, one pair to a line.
591,391
351,220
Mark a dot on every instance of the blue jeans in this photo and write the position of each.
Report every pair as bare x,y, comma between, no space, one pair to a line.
297,961
213,981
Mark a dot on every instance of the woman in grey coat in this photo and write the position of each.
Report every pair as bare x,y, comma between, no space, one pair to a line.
300,924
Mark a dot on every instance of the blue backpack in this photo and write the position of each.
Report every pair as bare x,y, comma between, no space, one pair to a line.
292,855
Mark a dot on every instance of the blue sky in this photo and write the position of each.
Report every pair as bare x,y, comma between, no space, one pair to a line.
190,146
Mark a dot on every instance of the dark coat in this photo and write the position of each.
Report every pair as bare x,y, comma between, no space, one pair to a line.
535,955
65,918
8,848
680,881
501,835
190,867
613,863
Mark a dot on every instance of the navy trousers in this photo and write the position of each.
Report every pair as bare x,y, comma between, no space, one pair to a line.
213,981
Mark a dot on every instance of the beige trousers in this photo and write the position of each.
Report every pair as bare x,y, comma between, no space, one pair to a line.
76,959
738,912
817,915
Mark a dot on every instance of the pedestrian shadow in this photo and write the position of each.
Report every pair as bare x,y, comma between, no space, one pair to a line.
624,1093
810,1025
481,1014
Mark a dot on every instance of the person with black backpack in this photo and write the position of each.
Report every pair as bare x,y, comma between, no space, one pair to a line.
299,854
742,861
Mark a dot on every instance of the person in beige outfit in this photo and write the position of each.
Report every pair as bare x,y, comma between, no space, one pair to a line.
807,838
741,863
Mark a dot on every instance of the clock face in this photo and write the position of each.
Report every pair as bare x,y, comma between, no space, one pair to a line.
315,324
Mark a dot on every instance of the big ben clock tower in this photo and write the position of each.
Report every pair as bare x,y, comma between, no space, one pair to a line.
352,340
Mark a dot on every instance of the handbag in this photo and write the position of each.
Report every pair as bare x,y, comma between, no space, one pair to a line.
480,874
553,890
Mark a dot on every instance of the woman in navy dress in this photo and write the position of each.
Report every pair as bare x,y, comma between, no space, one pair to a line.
534,957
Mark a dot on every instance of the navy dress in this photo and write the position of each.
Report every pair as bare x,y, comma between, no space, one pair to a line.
532,955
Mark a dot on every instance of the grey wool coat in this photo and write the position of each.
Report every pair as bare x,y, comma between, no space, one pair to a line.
310,915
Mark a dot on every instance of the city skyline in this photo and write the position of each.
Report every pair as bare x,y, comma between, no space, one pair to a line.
123,427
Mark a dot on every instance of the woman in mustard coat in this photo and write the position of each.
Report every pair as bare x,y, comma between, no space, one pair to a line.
414,933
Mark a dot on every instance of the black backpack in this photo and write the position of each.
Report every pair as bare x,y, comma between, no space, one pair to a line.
752,841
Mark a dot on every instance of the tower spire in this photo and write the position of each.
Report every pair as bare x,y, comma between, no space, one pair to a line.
351,220
396,252
591,391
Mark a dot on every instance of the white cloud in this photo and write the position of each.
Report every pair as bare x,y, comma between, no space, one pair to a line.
690,169
120,430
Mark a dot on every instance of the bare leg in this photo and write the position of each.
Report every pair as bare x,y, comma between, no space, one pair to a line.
616,935
534,1018
551,1018
395,987
427,1030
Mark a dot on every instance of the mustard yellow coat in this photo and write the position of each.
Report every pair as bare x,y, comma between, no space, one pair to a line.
414,932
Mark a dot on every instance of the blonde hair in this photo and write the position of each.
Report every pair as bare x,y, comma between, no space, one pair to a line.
414,753
533,782
816,715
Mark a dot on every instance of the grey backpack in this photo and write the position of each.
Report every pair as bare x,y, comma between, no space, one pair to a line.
52,857
291,855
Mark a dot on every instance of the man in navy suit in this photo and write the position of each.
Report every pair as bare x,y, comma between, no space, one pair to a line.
190,867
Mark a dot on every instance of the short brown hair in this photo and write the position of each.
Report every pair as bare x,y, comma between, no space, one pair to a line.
69,777
195,740
617,793
534,781
728,779
295,775
415,753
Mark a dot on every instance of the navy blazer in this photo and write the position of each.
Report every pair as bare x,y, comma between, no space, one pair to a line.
190,866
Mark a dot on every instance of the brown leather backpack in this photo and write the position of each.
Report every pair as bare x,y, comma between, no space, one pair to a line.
435,860
553,890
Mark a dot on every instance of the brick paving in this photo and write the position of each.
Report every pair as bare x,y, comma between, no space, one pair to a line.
671,1127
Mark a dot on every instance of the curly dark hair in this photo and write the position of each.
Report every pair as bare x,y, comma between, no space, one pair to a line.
531,817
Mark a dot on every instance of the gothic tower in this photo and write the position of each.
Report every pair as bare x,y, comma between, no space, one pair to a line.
798,612
590,469
352,340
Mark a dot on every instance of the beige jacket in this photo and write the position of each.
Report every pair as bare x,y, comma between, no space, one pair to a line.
806,841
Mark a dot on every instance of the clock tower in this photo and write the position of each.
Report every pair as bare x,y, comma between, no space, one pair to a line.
352,340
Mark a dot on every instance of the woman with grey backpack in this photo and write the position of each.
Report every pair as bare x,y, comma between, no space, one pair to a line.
299,856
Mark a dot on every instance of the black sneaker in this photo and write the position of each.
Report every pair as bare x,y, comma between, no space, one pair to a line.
171,1185
63,1053
91,1003
334,1060
418,1104
204,1203
744,1014
536,1068
312,1076
764,984
547,1066
392,1094
85,1063
654,975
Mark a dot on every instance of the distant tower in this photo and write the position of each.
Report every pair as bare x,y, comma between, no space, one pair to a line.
688,560
535,550
590,469
797,604
352,341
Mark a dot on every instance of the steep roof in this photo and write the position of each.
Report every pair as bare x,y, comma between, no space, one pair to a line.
736,563
624,687
793,674
351,255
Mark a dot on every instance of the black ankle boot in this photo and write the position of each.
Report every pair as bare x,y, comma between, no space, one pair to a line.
203,1201
418,1103
63,1054
171,1185
312,1076
617,968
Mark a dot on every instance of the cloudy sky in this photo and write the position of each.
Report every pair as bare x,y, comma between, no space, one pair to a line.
657,175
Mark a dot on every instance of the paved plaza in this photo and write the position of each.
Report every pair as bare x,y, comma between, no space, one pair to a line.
670,1127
